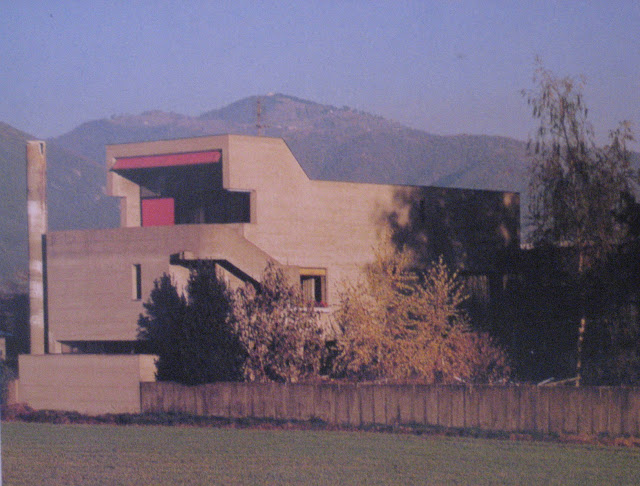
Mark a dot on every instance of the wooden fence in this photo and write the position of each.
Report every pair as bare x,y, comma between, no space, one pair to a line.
613,411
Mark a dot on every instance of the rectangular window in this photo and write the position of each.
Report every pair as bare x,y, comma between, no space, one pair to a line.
136,281
313,283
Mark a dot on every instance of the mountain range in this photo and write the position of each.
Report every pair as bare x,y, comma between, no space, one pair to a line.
331,143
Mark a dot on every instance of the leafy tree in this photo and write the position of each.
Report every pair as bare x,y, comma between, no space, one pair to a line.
279,331
575,185
400,324
193,336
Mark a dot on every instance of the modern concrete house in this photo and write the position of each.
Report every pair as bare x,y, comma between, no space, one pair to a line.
239,201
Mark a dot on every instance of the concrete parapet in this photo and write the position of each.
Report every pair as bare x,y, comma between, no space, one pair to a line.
92,384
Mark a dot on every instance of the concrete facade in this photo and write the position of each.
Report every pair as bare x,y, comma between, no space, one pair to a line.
302,224
243,201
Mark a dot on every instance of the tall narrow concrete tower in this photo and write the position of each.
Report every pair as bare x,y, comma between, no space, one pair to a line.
37,224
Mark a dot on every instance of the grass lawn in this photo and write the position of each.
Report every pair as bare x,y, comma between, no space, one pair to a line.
34,454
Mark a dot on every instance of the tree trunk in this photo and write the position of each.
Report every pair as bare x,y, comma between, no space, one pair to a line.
581,329
583,318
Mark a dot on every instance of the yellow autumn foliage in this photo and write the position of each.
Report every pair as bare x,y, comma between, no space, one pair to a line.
399,324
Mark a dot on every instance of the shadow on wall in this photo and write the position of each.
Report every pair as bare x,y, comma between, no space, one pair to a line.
471,229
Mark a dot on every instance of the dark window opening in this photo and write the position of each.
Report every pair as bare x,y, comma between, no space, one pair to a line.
104,347
213,207
196,193
313,286
136,281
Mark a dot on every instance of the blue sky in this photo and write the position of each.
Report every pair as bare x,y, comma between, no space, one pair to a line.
445,67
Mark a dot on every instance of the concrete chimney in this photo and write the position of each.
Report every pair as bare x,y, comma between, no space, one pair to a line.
37,224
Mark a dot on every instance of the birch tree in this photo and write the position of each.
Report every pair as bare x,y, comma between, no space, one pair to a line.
575,184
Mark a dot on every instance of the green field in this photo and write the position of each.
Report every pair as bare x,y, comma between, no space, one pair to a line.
35,454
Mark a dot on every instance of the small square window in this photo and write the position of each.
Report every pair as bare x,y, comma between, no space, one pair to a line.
313,283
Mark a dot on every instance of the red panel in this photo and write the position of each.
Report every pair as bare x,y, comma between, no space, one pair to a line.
167,160
158,212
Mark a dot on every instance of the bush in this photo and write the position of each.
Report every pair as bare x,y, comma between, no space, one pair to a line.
401,324
279,332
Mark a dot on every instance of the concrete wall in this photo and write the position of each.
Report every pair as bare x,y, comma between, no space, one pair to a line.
612,411
89,384
90,292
